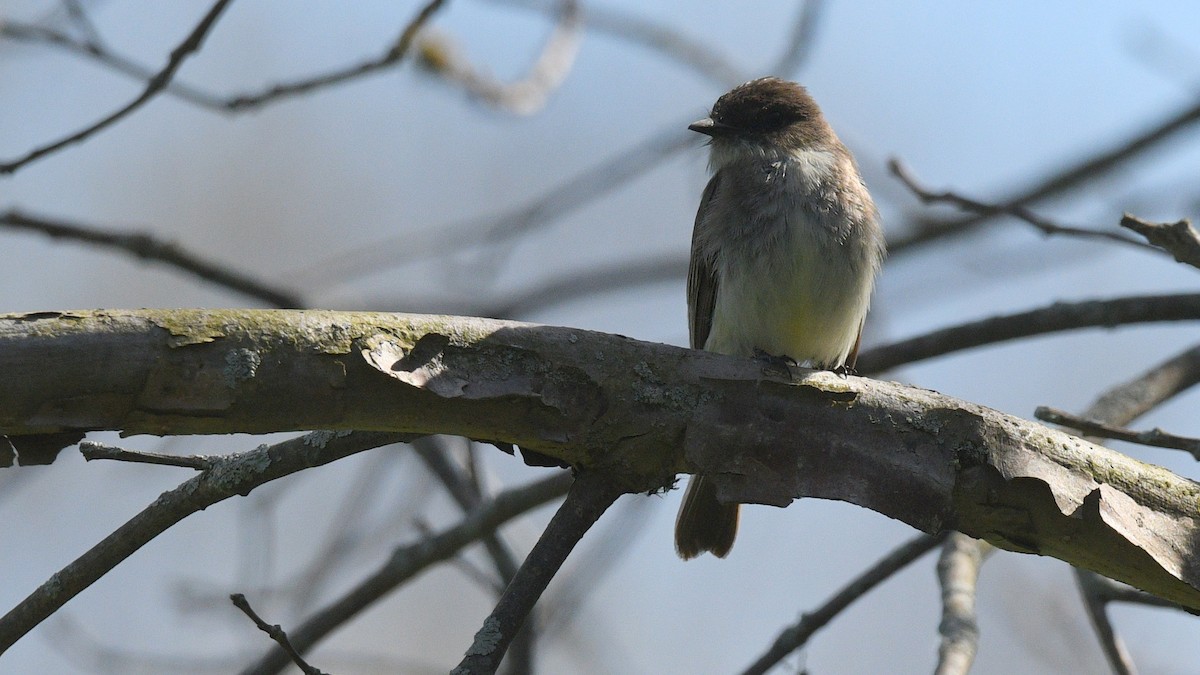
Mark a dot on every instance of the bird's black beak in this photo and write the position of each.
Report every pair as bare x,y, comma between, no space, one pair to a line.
710,127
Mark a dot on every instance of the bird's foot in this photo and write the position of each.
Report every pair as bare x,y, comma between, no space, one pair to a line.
843,371
773,364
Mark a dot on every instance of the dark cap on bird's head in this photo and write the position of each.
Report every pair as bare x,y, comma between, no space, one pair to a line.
764,109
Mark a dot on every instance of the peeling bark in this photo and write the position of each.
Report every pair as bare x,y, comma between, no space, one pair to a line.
641,412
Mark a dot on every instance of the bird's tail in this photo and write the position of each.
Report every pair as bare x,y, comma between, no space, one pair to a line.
704,524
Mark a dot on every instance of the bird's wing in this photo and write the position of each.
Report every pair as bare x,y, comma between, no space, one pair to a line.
702,275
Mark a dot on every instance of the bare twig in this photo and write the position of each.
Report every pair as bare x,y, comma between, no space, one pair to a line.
573,194
588,186
153,87
392,56
1064,180
800,42
958,574
589,497
1126,402
794,637
469,498
80,19
611,540
523,97
561,289
1059,316
1154,48
147,247
698,55
406,561
242,102
236,474
1045,225
276,632
349,526
1096,429
1119,658
1179,239
1108,590
93,49
92,450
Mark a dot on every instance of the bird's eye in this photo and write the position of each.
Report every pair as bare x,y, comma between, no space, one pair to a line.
773,117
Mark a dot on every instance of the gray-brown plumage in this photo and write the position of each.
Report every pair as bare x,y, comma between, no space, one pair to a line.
785,251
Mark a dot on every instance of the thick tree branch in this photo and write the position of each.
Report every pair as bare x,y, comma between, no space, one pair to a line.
640,412
1119,406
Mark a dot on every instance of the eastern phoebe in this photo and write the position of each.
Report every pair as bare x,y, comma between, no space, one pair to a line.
785,251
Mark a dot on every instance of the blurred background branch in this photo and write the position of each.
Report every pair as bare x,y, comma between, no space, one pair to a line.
399,192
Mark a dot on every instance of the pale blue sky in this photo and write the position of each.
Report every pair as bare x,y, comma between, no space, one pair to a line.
982,98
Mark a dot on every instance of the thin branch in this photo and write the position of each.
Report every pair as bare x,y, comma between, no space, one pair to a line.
958,575
237,103
1128,401
153,87
795,636
1179,239
1045,225
392,56
236,474
147,247
590,185
593,183
802,39
1096,429
350,527
567,287
407,561
24,32
1057,317
1064,180
92,450
627,521
80,19
1114,591
662,38
526,96
589,497
469,498
276,632
1119,658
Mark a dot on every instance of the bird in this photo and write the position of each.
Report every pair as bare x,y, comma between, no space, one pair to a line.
786,248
